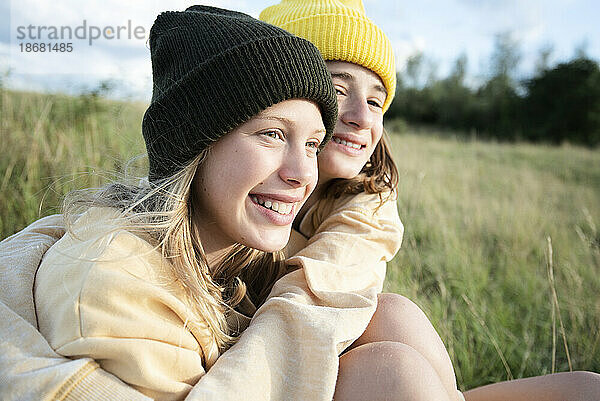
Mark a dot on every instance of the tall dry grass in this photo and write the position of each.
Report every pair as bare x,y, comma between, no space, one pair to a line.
476,255
51,144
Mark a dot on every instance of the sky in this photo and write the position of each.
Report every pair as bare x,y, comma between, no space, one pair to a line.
441,29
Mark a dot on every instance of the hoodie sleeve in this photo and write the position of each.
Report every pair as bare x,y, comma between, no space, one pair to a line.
348,247
104,293
290,350
29,368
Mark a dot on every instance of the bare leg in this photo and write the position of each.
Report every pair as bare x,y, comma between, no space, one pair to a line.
400,320
567,386
387,371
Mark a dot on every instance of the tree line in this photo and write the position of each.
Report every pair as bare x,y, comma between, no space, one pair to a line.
556,104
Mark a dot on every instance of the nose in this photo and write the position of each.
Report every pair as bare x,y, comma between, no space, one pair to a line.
299,169
355,112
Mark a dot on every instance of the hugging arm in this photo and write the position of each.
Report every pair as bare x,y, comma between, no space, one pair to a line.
296,333
291,348
344,260
291,336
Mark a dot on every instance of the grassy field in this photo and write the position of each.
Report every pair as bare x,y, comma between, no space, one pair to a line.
501,247
481,220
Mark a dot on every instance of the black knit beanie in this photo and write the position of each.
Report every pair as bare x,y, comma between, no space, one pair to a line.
213,70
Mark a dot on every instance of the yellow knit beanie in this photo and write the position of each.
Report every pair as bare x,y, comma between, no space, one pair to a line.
341,31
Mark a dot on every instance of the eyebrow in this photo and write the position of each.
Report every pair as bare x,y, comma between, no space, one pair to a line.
287,121
350,77
284,120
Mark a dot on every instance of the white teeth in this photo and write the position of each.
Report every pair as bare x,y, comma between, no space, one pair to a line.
281,208
347,143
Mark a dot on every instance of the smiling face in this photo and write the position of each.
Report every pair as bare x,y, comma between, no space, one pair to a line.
255,179
360,96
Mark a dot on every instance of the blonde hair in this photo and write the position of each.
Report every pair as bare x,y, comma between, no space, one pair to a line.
162,212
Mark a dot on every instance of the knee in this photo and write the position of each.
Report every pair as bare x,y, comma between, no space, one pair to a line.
583,377
396,319
394,309
400,359
393,303
586,383
393,370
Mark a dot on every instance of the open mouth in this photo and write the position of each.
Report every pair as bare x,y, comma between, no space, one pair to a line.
283,208
351,145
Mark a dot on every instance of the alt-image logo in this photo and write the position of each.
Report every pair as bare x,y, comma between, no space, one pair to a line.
95,38
85,31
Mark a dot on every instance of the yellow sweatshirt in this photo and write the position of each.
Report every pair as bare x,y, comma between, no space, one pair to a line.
128,317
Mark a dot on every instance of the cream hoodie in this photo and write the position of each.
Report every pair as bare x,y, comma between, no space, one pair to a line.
310,316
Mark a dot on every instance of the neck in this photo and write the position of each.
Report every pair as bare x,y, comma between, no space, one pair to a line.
213,257
215,246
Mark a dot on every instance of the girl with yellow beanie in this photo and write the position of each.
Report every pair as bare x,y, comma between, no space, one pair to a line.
399,355
357,173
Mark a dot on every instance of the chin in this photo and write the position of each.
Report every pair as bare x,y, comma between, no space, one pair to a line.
341,173
330,170
272,241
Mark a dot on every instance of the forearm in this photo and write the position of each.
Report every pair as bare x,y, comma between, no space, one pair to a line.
289,351
348,251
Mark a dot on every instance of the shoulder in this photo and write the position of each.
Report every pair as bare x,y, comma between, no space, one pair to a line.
369,207
95,262
366,203
92,241
107,293
101,279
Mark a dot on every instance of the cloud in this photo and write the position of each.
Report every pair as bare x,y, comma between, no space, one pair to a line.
493,16
124,61
121,59
404,48
442,29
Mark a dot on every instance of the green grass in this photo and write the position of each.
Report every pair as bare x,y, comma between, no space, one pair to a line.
475,253
477,220
51,144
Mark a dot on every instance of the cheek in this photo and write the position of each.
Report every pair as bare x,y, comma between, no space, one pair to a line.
220,184
231,172
245,172
333,164
377,131
326,160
